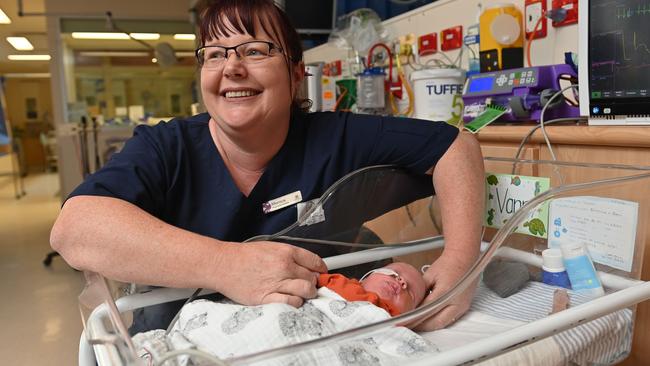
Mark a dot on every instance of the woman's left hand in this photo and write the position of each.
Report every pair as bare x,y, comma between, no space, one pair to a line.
440,277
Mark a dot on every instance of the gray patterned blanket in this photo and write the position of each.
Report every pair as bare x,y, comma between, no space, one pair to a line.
228,330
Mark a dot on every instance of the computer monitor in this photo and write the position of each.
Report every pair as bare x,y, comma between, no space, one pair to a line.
311,17
614,53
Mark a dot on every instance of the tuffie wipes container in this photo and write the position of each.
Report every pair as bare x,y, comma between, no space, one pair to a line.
438,94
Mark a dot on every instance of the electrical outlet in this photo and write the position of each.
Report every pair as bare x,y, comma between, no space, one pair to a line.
451,38
428,44
571,7
535,9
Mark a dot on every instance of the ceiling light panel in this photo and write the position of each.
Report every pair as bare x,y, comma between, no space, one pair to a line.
184,36
4,19
99,35
29,57
29,75
113,54
145,36
20,43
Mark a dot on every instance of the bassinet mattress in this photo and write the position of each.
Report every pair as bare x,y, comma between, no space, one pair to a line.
603,341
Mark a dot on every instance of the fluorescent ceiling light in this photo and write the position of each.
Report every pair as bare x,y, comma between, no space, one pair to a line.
184,36
29,57
185,54
20,43
145,36
113,54
27,75
99,35
114,35
4,19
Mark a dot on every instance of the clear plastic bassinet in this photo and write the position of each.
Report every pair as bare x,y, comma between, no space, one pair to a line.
383,213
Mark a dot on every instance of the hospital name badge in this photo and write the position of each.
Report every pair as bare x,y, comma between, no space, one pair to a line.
281,202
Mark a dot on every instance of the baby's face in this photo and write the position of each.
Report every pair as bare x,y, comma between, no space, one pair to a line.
405,291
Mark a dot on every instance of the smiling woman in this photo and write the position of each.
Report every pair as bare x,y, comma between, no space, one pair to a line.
180,197
243,90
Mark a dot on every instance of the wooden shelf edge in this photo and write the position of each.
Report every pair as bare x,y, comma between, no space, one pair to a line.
625,136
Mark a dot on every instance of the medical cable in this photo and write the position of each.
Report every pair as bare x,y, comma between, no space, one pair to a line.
390,59
541,117
532,36
459,58
439,63
542,125
411,62
451,63
537,127
427,65
409,92
470,50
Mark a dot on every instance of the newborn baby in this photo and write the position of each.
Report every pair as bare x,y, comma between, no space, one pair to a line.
229,330
396,288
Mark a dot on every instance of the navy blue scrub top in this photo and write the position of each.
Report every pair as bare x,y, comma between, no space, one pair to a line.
174,171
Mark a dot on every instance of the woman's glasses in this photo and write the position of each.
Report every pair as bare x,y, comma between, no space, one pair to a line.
213,57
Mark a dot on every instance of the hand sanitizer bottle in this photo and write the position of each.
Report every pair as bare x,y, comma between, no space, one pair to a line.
580,268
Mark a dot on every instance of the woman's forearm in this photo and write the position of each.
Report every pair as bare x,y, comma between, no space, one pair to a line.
125,243
458,179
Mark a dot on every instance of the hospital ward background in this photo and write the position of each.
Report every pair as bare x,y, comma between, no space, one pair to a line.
555,91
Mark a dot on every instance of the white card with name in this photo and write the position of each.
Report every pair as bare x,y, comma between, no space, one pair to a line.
606,225
281,202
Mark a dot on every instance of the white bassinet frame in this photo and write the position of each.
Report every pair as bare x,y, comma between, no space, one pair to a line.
629,292
104,349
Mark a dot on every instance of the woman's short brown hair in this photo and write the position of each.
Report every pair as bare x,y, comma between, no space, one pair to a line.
223,18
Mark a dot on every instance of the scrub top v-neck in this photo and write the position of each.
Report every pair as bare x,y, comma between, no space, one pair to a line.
280,177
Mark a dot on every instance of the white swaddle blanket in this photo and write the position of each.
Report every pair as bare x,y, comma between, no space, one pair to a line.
228,330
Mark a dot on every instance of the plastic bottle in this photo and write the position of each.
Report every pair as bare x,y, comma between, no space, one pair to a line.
580,268
553,271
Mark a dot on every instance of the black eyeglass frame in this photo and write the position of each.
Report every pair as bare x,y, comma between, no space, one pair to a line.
272,46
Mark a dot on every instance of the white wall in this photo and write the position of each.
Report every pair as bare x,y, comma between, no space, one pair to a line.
447,13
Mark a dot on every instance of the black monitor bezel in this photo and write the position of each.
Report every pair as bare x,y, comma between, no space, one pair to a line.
631,106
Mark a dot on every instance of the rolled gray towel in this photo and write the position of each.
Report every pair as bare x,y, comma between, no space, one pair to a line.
505,278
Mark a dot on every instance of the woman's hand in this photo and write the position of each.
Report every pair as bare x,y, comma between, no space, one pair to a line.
440,277
267,272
